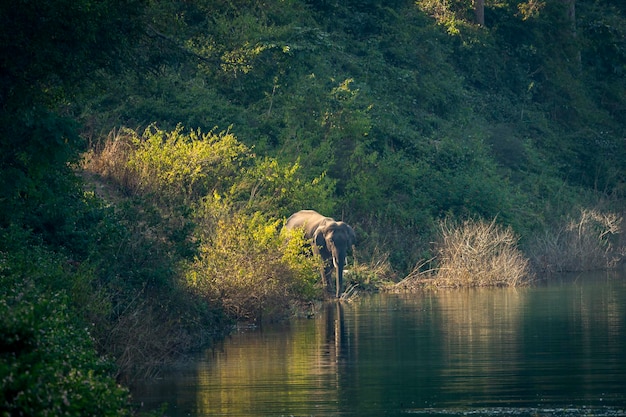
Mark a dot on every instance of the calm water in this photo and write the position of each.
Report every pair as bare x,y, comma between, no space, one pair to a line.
554,349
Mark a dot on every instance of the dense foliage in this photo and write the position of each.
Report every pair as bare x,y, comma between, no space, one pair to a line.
391,115
48,364
414,111
234,204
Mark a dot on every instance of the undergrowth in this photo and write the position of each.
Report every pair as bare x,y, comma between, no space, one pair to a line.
48,361
232,203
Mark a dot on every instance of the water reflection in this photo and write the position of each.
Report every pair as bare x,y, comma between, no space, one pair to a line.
336,342
545,350
481,341
283,370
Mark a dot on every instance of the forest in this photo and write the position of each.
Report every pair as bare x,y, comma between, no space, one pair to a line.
151,151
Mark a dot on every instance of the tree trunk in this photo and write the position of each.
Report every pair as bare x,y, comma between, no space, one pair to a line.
570,10
479,12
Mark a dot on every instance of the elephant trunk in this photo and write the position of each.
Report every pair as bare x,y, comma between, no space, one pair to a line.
339,261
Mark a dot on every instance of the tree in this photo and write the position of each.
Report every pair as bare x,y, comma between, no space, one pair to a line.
49,50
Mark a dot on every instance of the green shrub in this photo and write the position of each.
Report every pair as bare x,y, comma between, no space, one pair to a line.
185,166
279,189
246,265
211,188
173,167
296,255
48,359
181,168
48,366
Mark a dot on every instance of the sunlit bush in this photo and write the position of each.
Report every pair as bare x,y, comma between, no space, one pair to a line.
187,165
211,188
296,255
178,166
479,253
183,167
246,265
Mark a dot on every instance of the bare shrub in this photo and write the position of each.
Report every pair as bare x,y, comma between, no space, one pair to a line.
421,277
584,243
478,253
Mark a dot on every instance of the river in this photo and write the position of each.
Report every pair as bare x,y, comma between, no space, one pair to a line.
557,348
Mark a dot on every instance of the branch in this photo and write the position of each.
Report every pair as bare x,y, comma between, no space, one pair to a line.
176,43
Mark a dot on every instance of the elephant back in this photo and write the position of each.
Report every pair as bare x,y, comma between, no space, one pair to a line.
309,220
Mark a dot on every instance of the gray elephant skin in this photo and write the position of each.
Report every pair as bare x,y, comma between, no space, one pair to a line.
330,239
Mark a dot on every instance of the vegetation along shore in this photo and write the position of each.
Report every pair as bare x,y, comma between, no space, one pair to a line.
151,151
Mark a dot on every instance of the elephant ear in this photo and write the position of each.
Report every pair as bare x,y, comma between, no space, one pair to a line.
318,237
351,235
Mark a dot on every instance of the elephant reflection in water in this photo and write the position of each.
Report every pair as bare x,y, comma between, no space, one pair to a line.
336,338
330,239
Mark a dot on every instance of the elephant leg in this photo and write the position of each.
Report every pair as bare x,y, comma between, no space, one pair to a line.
324,278
328,276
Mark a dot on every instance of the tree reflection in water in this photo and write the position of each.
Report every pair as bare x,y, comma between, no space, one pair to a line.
518,351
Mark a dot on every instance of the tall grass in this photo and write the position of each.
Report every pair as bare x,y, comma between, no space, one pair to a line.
109,159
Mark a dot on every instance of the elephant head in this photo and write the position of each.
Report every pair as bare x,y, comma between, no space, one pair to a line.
333,240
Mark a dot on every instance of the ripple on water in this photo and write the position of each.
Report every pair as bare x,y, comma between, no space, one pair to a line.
522,412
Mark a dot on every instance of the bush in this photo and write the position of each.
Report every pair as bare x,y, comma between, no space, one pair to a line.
48,360
48,366
585,243
180,168
174,167
241,261
478,253
245,264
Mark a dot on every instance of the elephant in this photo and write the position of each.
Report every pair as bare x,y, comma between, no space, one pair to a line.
330,239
